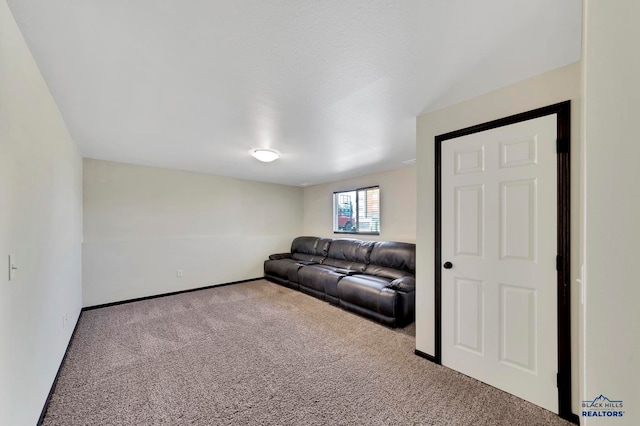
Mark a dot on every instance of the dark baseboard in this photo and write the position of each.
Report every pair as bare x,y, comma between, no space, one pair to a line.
55,381
426,356
121,302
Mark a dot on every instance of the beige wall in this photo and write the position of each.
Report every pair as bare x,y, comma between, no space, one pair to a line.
546,89
41,225
142,224
397,205
612,205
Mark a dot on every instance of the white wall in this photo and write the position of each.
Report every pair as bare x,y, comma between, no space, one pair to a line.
141,224
612,205
397,205
546,89
41,224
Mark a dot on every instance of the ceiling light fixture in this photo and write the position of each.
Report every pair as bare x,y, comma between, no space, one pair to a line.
265,155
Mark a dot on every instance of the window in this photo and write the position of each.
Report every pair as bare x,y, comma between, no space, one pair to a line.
357,211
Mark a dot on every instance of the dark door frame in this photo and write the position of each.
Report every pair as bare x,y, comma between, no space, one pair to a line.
563,111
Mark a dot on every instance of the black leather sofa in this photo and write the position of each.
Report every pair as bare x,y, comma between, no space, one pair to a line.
373,279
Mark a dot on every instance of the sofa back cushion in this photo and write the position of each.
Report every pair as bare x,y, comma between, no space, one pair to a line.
310,249
349,254
392,260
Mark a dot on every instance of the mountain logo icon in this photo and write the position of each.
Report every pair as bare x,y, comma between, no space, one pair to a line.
597,401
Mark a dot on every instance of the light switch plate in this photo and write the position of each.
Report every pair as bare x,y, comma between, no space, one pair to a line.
12,268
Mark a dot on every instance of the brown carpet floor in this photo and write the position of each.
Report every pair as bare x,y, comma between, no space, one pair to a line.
260,354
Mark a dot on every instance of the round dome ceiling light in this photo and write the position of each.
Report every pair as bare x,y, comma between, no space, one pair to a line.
265,155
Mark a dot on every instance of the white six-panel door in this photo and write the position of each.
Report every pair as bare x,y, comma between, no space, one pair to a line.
499,231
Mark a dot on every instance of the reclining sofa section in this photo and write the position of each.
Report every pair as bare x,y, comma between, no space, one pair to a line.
373,279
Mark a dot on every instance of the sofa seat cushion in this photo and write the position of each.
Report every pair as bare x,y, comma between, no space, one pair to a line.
369,292
307,258
321,278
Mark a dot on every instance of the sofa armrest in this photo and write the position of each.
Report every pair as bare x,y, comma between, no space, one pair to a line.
405,284
278,256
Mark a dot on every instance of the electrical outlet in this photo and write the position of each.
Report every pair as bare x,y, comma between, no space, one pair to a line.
179,273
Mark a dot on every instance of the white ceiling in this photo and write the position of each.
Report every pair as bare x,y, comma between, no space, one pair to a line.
334,85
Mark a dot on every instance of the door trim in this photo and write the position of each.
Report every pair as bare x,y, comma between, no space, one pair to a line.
563,111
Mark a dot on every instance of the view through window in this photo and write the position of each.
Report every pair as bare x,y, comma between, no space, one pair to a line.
357,211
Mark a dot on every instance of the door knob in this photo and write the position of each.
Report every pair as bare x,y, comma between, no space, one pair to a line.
448,265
